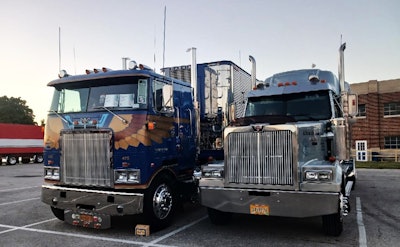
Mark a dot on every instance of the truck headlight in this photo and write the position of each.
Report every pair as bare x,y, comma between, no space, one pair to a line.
318,175
131,176
51,173
212,172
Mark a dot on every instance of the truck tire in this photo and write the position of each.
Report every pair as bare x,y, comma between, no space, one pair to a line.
332,224
11,160
160,202
59,213
218,217
38,158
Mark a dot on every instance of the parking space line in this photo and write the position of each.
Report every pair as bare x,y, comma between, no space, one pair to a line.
25,200
21,188
14,228
362,236
152,243
175,232
25,228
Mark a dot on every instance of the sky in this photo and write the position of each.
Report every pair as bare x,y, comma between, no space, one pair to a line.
280,34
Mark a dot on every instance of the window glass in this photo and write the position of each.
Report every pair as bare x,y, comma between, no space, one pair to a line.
361,110
100,94
305,106
392,142
391,108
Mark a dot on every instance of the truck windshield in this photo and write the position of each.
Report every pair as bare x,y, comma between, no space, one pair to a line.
301,107
100,96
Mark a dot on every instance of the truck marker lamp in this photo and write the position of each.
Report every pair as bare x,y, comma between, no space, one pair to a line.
332,159
151,125
293,83
96,70
88,71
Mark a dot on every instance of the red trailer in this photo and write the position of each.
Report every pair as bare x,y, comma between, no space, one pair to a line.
21,140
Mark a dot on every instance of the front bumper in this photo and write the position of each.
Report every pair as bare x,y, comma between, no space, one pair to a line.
101,202
280,203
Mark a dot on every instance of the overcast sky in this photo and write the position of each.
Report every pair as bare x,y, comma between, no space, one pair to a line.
281,34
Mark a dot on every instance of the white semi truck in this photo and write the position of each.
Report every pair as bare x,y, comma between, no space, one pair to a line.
289,155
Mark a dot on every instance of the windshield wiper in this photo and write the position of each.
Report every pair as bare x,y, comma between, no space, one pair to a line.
58,115
124,121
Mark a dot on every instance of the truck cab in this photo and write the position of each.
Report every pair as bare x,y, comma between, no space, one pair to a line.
288,155
118,142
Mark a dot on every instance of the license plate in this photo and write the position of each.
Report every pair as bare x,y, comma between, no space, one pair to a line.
86,218
259,209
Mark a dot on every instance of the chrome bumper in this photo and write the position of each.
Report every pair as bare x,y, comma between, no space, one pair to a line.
101,202
280,203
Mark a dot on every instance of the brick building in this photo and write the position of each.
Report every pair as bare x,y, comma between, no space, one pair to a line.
378,120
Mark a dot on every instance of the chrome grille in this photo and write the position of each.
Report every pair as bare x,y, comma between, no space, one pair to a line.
86,157
260,158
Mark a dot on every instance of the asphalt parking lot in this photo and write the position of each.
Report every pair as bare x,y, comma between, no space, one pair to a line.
26,221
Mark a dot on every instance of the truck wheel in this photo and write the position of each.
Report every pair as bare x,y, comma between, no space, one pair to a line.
11,160
38,158
160,203
332,224
59,213
218,217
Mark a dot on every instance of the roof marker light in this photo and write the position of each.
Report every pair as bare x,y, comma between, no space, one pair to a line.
280,84
96,70
88,71
294,83
104,69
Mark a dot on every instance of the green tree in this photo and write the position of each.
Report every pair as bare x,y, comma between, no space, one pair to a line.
15,110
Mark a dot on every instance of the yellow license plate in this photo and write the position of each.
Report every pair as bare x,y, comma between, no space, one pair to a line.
86,218
259,209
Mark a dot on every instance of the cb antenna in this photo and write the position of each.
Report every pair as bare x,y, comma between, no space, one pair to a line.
165,20
59,49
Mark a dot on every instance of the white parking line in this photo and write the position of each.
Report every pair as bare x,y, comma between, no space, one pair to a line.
22,188
25,200
175,232
24,228
362,236
152,243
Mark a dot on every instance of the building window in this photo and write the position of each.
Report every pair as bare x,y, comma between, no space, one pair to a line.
361,111
391,108
392,142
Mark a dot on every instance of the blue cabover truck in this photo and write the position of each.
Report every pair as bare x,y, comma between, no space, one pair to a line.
289,155
125,142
